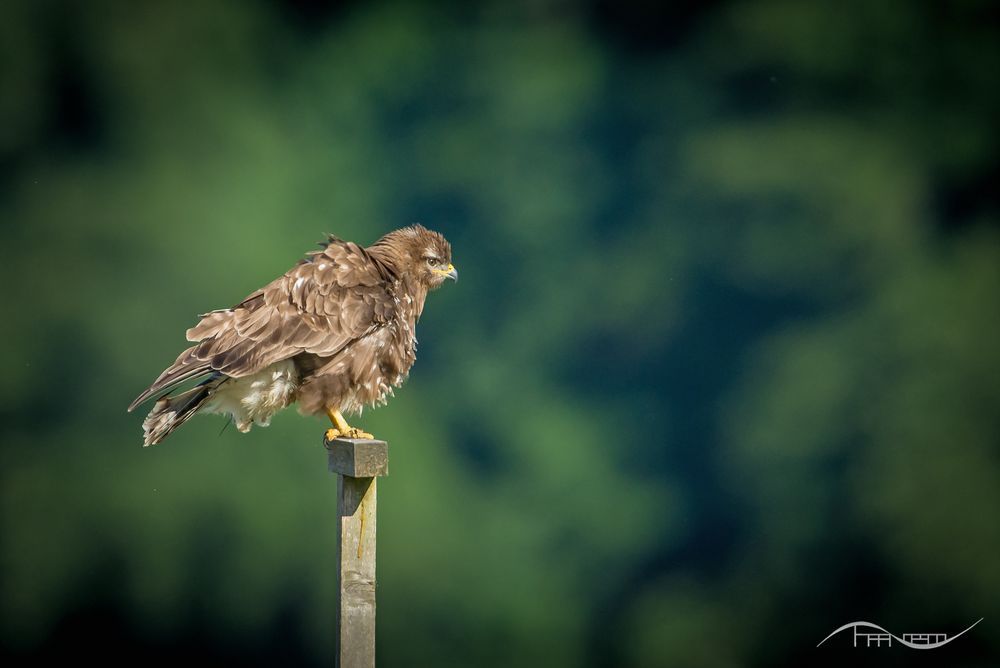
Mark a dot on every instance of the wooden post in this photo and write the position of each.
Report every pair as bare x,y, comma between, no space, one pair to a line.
357,464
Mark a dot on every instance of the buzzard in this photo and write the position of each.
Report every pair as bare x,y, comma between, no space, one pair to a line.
334,333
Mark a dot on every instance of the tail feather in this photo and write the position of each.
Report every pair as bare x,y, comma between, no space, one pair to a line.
186,367
171,412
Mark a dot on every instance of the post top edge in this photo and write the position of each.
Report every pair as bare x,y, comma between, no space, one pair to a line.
351,442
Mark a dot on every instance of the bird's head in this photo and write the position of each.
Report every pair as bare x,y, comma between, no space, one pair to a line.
421,254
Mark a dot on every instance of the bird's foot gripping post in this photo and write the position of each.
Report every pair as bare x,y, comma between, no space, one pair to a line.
341,429
357,463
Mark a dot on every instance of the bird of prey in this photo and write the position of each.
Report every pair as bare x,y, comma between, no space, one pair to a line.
334,333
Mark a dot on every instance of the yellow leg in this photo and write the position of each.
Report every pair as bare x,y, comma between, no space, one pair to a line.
341,429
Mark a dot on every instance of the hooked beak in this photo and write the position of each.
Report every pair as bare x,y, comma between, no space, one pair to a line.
450,272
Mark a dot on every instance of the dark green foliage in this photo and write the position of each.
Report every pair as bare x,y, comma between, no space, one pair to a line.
721,373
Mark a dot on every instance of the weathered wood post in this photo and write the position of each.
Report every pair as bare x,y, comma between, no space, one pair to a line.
357,464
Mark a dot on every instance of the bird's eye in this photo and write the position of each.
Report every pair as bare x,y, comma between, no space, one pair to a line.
432,261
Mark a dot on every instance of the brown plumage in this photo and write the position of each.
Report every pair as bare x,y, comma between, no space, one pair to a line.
335,333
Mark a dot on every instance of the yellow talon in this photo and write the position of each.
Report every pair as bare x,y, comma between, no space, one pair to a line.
341,429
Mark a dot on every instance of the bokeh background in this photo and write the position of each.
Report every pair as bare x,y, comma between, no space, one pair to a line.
721,374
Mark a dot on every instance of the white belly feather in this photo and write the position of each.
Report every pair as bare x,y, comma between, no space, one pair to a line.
255,399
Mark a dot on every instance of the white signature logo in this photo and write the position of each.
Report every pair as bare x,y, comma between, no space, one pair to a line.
883,637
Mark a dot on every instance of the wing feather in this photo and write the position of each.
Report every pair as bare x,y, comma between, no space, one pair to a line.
319,306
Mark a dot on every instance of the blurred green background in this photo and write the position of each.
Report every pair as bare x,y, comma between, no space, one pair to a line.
721,373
